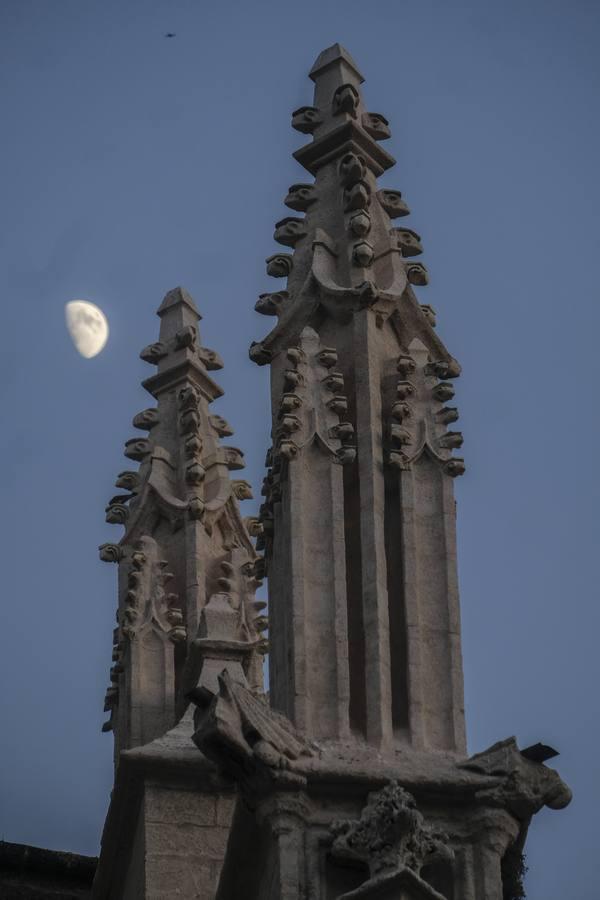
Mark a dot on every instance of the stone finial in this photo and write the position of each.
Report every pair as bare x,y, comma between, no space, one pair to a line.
390,834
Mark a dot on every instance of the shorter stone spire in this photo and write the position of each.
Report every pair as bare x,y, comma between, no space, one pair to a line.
186,561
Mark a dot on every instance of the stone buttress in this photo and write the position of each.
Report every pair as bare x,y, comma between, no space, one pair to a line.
356,781
187,583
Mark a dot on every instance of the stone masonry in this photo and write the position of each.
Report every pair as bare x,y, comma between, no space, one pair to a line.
352,778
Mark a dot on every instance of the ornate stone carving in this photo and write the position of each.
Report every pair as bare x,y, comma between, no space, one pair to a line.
221,425
429,313
376,125
447,415
110,553
409,242
455,467
521,786
393,203
390,834
301,196
352,169
417,274
357,196
360,223
443,391
128,480
362,254
186,338
306,119
279,265
153,353
289,231
271,304
147,603
146,419
242,489
345,100
211,359
116,514
452,440
244,736
137,448
234,458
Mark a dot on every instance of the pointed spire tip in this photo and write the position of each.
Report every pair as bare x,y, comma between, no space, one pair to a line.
174,297
331,55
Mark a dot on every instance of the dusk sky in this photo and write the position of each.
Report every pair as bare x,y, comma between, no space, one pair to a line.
133,163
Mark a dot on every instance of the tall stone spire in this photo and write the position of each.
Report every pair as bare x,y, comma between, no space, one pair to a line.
353,781
359,512
186,560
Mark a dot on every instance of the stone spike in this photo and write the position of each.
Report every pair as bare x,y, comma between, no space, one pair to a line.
175,297
332,55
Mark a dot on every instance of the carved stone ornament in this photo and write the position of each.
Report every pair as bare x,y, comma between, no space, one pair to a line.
306,119
146,419
221,425
279,265
271,304
429,313
362,254
301,196
393,203
244,736
128,480
376,126
259,354
289,231
357,196
417,274
211,359
116,514
188,397
390,834
455,467
345,100
110,553
242,490
186,338
234,458
409,242
521,785
360,223
137,448
153,353
352,169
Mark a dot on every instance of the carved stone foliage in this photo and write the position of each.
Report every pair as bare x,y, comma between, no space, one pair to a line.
312,410
376,125
301,196
146,419
393,204
271,304
147,601
279,265
409,242
346,100
390,834
516,783
245,737
289,231
306,119
418,417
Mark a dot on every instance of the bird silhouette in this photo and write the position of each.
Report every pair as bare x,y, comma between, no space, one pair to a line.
170,34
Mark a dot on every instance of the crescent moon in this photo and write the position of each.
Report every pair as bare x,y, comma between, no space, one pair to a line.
88,327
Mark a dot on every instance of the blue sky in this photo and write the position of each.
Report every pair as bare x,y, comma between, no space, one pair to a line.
133,163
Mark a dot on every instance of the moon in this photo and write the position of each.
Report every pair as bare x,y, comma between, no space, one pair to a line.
88,327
